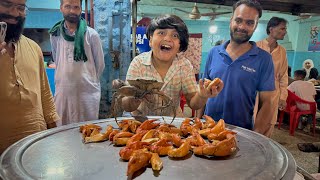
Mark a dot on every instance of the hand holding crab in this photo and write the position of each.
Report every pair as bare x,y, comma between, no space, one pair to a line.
128,96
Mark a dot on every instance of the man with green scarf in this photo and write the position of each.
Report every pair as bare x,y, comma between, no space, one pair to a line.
77,52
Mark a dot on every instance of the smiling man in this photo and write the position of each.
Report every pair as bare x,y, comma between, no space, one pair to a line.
26,103
276,30
244,68
78,55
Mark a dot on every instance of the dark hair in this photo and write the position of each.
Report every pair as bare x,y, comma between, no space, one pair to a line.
218,43
170,22
313,73
61,2
300,73
275,21
250,3
289,71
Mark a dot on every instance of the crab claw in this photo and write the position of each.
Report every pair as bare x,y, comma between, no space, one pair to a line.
118,83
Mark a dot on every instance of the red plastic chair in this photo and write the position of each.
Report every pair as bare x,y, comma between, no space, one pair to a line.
183,101
295,112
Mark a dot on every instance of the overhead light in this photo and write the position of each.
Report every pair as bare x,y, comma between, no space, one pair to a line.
195,13
194,16
213,29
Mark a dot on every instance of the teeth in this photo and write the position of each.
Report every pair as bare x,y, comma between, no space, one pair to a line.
166,46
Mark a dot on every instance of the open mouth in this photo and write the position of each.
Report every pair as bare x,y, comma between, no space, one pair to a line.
165,47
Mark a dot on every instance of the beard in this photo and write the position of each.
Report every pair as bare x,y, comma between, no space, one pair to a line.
14,31
240,39
72,18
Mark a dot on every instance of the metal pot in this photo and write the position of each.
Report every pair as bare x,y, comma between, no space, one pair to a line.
60,154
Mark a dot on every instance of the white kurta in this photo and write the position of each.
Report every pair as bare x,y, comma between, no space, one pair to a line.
78,90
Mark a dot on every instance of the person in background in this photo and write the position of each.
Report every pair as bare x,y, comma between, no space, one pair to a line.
313,76
218,43
309,147
26,102
290,79
243,67
305,90
276,30
168,35
77,53
311,71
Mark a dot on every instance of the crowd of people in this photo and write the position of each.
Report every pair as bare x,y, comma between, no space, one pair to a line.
254,74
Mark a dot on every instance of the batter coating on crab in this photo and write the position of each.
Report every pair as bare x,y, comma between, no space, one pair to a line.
168,36
144,143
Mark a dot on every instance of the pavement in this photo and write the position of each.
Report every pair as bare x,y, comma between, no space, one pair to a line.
307,161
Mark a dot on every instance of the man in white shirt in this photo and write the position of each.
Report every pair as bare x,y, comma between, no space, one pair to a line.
305,90
78,55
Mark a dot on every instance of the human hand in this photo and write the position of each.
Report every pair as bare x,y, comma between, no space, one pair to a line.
282,104
3,48
51,125
53,65
3,31
208,88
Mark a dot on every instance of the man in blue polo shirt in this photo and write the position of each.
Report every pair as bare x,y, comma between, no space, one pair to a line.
244,69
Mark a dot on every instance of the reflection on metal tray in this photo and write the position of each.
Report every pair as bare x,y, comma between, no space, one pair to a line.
60,154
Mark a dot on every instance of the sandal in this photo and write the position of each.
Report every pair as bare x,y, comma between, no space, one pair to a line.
307,147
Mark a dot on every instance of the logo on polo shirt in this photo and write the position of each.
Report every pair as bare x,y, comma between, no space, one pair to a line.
250,70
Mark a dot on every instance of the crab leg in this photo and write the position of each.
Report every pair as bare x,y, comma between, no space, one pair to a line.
165,99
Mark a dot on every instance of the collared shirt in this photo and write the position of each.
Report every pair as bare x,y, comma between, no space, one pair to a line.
243,77
180,77
26,103
280,63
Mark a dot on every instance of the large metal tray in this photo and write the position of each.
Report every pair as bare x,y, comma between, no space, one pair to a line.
60,154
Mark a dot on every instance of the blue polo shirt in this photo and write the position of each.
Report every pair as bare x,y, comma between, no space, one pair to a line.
251,72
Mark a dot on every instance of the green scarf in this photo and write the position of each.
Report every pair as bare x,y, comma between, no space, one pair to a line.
78,52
